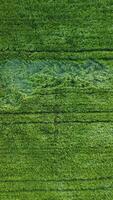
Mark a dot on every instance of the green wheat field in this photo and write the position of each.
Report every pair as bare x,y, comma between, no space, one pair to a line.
56,100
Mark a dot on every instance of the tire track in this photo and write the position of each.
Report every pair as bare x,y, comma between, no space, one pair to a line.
58,122
58,190
62,180
57,112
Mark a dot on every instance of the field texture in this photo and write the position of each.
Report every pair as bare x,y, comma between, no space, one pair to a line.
56,100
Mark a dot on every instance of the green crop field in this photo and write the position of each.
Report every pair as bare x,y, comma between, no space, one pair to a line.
56,100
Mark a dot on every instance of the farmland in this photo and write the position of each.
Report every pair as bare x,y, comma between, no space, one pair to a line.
56,100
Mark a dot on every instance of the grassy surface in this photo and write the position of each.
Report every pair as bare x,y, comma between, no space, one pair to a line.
56,129
54,25
56,100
